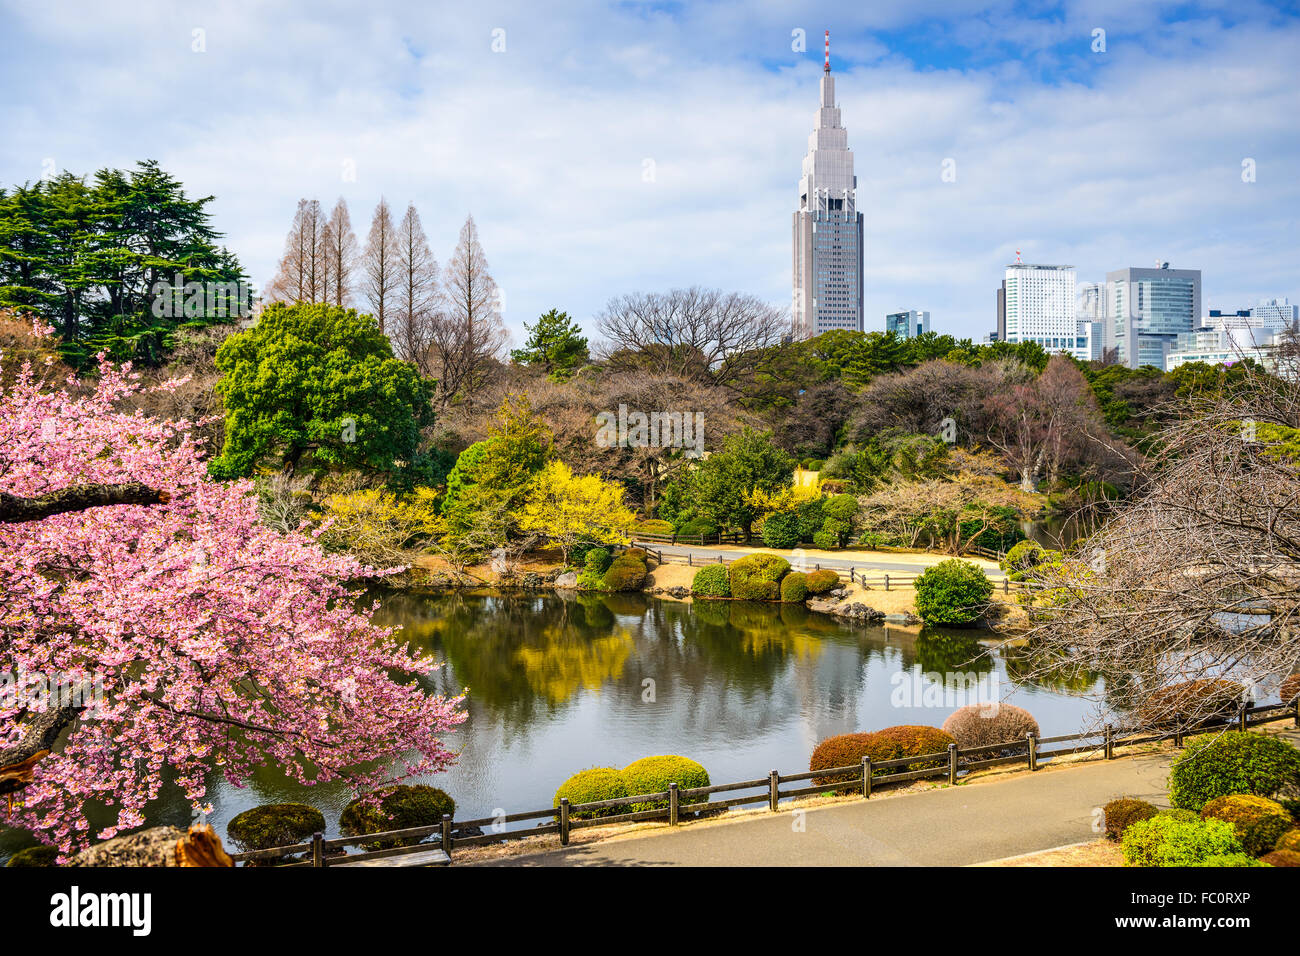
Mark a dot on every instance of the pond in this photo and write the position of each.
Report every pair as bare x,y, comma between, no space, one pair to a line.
560,683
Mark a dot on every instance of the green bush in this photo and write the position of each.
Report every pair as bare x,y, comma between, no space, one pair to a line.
1231,859
655,526
1192,700
398,808
1217,765
756,576
794,587
1281,858
1258,821
627,572
1167,841
810,518
654,774
952,592
712,581
1022,556
35,856
892,743
590,580
592,786
841,508
819,582
781,530
597,560
825,540
1123,813
698,526
275,824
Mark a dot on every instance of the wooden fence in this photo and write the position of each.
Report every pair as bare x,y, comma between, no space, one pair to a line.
675,803
702,540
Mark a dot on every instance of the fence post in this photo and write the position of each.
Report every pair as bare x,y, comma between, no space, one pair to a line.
851,579
672,804
446,834
1178,734
1006,585
688,560
1296,702
866,777
886,580
674,541
719,559
564,821
318,849
1241,718
817,567
1110,743
1033,751
773,783
952,764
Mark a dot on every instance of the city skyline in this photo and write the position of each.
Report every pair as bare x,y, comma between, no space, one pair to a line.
598,149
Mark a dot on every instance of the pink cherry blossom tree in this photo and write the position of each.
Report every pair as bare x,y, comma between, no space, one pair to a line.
219,644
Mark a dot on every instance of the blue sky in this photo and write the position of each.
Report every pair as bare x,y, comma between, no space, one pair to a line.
1098,159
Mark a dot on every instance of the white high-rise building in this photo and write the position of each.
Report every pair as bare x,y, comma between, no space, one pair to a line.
827,226
1040,306
1277,313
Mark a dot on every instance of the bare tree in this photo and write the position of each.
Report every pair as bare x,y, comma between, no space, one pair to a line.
380,266
1194,587
300,276
468,336
417,297
705,335
340,245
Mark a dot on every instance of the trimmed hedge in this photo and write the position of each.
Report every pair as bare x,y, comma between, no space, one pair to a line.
398,808
1168,841
712,581
1258,821
654,774
31,856
781,530
1230,859
698,526
1218,765
892,743
819,582
1123,813
592,786
755,577
825,540
275,824
978,726
794,588
655,526
1191,700
597,560
1022,556
627,572
952,592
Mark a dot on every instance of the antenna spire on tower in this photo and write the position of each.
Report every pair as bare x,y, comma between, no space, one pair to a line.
827,67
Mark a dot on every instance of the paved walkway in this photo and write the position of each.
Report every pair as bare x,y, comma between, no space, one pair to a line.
954,826
843,560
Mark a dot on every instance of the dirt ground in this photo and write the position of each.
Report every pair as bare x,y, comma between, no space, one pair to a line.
1093,853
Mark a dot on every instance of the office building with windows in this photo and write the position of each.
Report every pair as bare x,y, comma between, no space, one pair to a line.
827,227
1146,311
908,325
1039,306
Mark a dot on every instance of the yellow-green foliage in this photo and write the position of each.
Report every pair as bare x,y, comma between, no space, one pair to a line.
1258,821
379,527
593,786
654,774
627,572
756,577
794,587
819,582
569,509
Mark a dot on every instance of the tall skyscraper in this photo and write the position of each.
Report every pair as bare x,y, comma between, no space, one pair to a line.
827,225
1146,311
1040,306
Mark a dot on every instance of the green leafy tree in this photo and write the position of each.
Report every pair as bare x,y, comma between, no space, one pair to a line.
724,486
318,379
555,344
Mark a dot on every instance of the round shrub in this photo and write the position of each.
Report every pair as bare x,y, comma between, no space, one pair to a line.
794,587
35,856
597,560
1123,813
655,526
977,726
1290,688
698,526
1281,858
1289,841
1167,841
275,824
1177,813
840,508
1232,762
654,774
1192,700
627,572
819,582
892,743
592,786
1022,556
825,540
712,581
952,592
1230,859
1259,821
781,530
398,808
755,577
